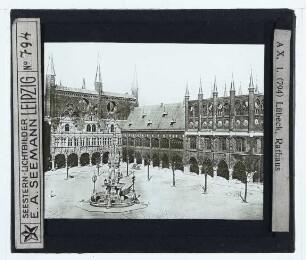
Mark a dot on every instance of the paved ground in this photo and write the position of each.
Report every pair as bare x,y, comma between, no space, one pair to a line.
162,201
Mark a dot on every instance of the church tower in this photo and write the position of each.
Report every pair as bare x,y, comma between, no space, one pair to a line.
50,89
134,87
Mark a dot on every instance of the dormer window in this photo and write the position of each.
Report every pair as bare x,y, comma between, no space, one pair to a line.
144,115
130,124
172,122
165,113
149,123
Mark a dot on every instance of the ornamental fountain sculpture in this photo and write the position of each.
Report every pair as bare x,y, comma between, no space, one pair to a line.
114,193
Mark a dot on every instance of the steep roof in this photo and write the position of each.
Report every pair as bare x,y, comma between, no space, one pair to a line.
157,117
94,92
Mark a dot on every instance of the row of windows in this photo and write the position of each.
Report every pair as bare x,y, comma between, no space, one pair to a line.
222,144
89,128
175,143
86,141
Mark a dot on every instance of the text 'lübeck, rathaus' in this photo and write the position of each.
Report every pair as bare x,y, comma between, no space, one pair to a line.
220,135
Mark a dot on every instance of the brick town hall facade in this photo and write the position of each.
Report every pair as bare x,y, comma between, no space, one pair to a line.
222,136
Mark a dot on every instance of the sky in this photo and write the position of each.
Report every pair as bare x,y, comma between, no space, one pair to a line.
163,70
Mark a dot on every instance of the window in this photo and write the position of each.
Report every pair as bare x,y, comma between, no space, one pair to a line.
56,142
63,141
138,141
164,143
94,141
69,141
222,144
76,141
82,141
155,142
146,142
94,128
193,143
240,145
88,128
207,143
87,141
124,141
112,128
176,143
131,141
67,128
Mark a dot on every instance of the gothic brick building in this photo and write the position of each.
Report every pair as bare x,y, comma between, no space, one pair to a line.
220,135
78,126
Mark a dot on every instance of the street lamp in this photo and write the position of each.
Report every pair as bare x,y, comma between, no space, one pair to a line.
94,179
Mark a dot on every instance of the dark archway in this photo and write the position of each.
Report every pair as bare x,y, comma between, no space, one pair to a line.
194,167
73,160
124,153
208,166
60,161
146,159
223,170
178,162
155,160
165,161
131,155
239,171
138,157
95,158
105,157
84,159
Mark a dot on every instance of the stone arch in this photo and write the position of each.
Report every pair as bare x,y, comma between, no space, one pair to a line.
88,128
194,167
155,159
178,162
95,158
165,160
223,170
105,157
84,159
60,161
72,160
208,167
239,171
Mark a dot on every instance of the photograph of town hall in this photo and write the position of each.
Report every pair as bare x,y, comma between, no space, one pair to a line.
112,155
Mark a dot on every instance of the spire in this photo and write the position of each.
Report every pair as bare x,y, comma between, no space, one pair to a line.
135,80
225,92
83,84
98,77
256,87
200,88
232,83
251,84
215,86
50,67
240,90
187,91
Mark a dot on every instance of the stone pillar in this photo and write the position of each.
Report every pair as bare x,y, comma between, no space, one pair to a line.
90,155
66,160
142,162
200,168
53,164
230,173
160,164
251,105
135,160
215,169
214,112
232,107
250,177
79,161
151,164
186,109
187,168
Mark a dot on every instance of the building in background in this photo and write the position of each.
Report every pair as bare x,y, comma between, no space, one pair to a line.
221,136
78,127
